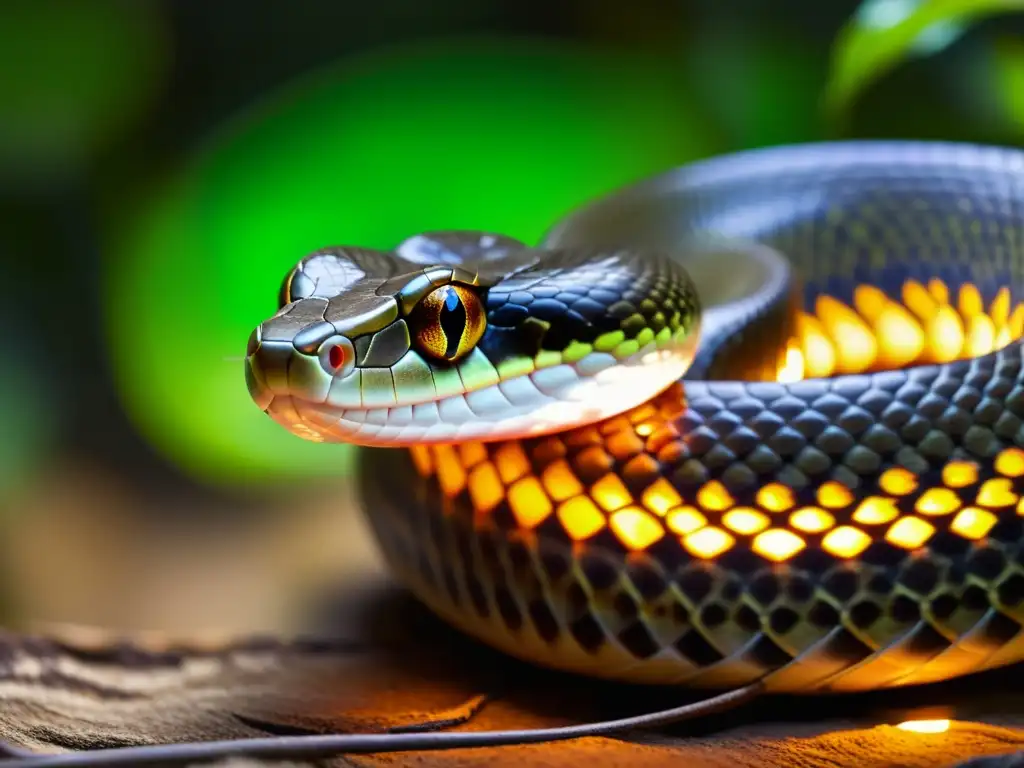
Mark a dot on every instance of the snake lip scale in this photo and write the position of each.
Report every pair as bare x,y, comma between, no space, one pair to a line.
760,418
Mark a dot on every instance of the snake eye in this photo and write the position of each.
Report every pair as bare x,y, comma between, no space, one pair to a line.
448,322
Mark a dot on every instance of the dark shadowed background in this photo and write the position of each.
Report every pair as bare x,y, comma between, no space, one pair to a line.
163,164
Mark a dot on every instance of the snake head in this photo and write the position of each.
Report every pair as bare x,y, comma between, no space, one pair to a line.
464,335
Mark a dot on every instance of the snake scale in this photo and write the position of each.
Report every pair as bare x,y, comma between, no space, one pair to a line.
755,419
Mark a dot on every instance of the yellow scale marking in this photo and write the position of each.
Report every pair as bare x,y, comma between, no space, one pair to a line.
877,332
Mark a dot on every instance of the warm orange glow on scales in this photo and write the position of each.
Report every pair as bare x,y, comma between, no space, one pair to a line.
845,541
580,480
811,520
685,520
537,487
996,493
635,528
909,532
1010,462
816,351
713,496
775,497
901,338
580,518
610,493
938,501
472,453
973,523
529,503
512,462
898,481
485,488
451,473
924,726
857,347
708,542
745,520
875,510
660,497
958,474
560,481
879,332
834,495
778,544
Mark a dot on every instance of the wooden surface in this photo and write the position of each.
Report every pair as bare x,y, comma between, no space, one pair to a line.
85,550
388,664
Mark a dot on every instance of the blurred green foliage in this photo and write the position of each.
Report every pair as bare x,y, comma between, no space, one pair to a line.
506,135
885,32
73,73
28,433
760,87
501,134
1008,79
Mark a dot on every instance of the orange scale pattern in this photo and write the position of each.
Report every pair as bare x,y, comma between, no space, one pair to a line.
588,495
631,534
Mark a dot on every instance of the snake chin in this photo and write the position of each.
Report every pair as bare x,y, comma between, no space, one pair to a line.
547,400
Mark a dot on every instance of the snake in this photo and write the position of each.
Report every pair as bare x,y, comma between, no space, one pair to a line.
756,418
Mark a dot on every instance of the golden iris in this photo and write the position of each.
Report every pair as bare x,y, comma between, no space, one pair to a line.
448,322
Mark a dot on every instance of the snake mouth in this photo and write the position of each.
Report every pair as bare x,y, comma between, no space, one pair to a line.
546,400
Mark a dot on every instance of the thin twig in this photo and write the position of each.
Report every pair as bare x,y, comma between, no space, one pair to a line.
327,746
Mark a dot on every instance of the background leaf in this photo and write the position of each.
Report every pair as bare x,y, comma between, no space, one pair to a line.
885,32
1008,78
73,76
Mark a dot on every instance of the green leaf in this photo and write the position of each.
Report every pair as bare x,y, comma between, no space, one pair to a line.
1007,80
762,87
885,32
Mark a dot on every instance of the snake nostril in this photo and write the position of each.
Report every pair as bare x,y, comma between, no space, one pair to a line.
337,356
254,342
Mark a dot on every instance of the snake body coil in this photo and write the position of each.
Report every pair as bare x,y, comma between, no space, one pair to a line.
825,494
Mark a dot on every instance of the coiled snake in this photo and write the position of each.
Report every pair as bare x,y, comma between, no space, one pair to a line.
759,418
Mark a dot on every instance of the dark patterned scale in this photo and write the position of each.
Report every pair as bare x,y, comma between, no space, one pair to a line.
892,615
854,532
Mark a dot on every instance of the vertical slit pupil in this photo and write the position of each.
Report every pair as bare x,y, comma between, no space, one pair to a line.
453,320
